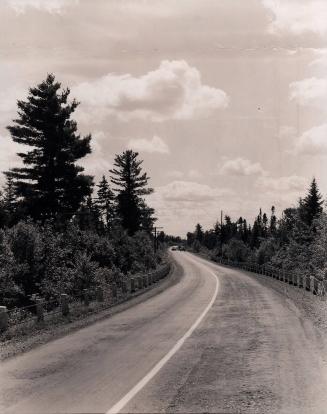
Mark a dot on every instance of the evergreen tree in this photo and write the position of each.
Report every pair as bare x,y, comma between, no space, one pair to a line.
131,185
198,234
273,222
264,225
190,238
311,205
9,203
50,184
105,202
88,216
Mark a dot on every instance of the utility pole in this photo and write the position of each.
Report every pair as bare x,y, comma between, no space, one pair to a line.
155,241
221,233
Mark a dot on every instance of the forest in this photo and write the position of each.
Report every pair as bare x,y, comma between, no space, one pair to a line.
60,231
295,242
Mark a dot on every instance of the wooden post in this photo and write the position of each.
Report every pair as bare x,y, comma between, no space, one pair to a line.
64,304
3,318
99,293
133,285
39,310
124,287
86,297
145,282
140,282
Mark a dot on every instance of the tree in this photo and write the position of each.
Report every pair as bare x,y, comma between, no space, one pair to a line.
198,234
273,222
105,202
49,184
131,185
311,205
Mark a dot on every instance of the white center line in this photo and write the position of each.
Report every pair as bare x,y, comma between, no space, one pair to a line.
142,383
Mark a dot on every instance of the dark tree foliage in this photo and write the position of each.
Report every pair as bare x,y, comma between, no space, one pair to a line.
50,184
131,186
289,242
105,202
311,205
199,233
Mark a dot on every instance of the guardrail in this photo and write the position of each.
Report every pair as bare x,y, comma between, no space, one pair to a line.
101,297
309,283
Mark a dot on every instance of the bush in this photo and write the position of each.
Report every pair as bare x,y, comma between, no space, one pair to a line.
236,250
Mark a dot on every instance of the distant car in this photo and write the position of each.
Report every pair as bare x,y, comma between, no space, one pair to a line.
181,248
174,248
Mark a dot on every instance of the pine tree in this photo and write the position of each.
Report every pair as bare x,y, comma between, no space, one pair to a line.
264,225
131,185
199,233
9,202
311,205
273,222
105,202
50,184
88,216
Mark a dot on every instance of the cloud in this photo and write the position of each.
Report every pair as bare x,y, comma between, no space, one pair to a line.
97,163
172,91
156,144
190,192
308,91
320,60
181,204
292,183
192,174
240,167
312,141
51,6
297,16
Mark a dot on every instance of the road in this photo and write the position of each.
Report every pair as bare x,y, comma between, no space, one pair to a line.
216,341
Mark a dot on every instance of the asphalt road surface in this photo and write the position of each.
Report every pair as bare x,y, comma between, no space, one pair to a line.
216,341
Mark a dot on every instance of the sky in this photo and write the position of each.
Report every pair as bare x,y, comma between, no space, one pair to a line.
225,100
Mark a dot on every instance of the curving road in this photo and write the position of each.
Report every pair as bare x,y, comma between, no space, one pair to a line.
216,341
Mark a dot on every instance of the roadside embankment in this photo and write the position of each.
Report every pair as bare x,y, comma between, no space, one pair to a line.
21,337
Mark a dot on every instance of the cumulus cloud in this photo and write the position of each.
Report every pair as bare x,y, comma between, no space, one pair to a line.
297,16
308,91
292,183
313,141
156,144
181,204
51,6
320,61
190,192
192,174
97,163
172,91
240,167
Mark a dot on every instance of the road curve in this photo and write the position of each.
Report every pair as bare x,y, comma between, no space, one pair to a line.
233,346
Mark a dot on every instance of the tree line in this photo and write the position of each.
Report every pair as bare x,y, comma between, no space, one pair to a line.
61,231
296,241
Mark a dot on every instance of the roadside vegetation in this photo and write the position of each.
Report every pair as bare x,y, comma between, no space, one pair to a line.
60,232
295,242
